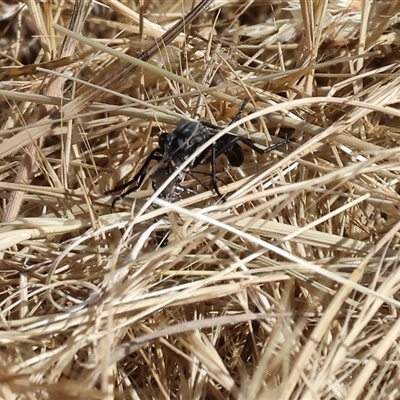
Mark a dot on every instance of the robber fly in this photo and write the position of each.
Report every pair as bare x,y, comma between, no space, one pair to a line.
175,148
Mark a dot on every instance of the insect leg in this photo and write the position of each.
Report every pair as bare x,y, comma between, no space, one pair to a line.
213,170
139,178
234,152
240,112
247,141
191,174
259,150
201,160
230,148
221,146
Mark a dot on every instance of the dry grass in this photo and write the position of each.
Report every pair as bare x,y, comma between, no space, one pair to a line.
287,290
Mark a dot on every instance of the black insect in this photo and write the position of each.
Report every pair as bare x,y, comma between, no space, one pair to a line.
174,149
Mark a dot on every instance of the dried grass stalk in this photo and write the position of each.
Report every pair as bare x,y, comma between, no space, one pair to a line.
285,290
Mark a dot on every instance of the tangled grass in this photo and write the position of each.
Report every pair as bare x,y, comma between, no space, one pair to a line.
287,289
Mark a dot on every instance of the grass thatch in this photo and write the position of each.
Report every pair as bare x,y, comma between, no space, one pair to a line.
287,289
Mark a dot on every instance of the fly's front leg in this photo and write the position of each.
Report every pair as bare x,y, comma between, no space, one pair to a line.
139,178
